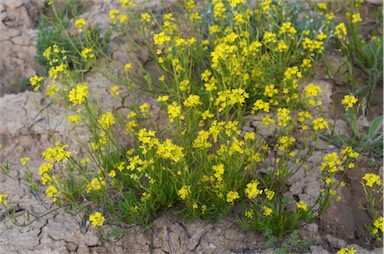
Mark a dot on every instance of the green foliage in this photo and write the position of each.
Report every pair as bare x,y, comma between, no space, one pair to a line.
219,72
57,31
367,141
363,50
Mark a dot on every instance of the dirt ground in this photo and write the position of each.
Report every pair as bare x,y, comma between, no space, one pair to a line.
25,130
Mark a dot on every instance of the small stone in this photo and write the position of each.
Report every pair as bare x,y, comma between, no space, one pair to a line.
318,250
335,243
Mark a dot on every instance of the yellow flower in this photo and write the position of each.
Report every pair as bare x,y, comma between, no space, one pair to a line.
45,178
249,136
127,66
2,199
95,184
24,160
322,6
44,168
97,219
145,18
126,3
184,192
218,9
267,121
57,153
287,28
174,110
87,53
350,153
346,251
73,119
371,179
331,161
232,196
168,150
320,123
79,24
269,194
329,16
107,120
115,90
160,38
184,85
267,211
192,100
113,14
144,108
356,18
341,31
163,98
52,89
285,142
251,190
78,94
283,116
249,214
379,223
51,191
266,4
301,205
235,3
123,18
349,101
260,105
219,171
35,82
312,90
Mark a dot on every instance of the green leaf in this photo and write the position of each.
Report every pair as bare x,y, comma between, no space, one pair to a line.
374,127
351,117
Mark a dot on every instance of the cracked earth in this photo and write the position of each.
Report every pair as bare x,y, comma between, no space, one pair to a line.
26,130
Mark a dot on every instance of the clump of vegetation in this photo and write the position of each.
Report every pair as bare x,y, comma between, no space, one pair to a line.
221,64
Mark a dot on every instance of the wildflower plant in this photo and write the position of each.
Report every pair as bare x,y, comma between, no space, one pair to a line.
234,61
373,189
363,51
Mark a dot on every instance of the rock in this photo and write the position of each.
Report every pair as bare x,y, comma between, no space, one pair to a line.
335,242
317,250
17,42
338,220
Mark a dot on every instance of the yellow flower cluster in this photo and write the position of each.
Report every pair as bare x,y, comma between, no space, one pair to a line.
320,123
331,161
107,120
341,31
285,142
95,184
78,94
267,211
87,53
51,192
302,205
57,153
168,150
346,251
97,219
79,24
36,82
184,192
372,179
228,98
2,199
349,101
174,111
283,116
232,196
251,190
